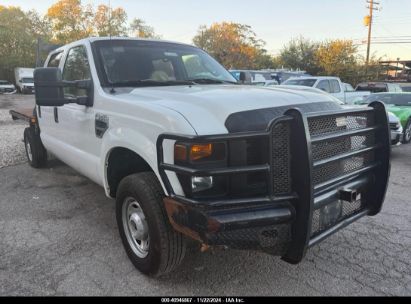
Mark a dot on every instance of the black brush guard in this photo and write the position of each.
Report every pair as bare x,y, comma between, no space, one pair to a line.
339,157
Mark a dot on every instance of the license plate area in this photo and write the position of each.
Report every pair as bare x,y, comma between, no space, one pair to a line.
334,212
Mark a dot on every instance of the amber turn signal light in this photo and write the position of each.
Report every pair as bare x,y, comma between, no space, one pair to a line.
200,151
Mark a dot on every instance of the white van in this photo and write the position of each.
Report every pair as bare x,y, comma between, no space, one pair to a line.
24,80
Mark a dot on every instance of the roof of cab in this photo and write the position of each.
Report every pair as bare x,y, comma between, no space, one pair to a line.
93,39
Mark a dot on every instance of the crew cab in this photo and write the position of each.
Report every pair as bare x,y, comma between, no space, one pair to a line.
188,153
331,85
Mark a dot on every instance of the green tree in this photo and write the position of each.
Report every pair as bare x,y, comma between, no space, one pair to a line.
19,32
300,54
234,45
110,22
339,58
70,21
139,28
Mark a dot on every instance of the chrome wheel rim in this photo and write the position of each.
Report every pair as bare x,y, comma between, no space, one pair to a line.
135,227
29,153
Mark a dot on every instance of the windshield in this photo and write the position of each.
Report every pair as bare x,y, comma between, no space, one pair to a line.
27,80
301,82
4,82
153,63
390,99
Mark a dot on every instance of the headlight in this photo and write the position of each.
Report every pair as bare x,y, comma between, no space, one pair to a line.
202,156
203,183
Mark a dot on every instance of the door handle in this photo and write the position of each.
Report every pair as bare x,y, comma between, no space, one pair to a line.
101,124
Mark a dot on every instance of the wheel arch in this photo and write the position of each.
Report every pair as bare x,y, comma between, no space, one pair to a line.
120,162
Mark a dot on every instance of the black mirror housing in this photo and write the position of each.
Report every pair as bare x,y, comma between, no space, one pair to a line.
48,87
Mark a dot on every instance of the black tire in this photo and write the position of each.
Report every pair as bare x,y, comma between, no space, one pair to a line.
167,247
407,133
35,151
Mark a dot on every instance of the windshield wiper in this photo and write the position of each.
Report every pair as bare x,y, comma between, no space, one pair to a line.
150,83
210,81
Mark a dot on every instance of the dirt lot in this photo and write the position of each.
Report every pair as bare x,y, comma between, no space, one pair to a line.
58,236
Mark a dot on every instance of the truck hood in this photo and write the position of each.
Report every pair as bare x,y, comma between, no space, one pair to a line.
206,107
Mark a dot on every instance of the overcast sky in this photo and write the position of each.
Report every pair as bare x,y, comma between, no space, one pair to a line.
274,21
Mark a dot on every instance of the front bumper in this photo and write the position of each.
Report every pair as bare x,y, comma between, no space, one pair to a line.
330,158
28,90
7,91
396,137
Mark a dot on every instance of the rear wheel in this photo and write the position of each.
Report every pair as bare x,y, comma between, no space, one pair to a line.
35,151
407,133
152,245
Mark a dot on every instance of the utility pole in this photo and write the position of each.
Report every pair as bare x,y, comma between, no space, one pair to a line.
369,20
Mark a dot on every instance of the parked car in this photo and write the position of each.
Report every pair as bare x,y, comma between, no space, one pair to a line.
378,87
331,85
6,87
282,76
400,105
311,90
397,131
259,78
24,80
406,87
266,83
188,153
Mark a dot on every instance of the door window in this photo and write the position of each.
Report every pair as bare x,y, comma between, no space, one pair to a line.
335,86
76,68
55,59
324,85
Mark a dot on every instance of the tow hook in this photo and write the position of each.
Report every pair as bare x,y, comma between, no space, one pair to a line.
349,195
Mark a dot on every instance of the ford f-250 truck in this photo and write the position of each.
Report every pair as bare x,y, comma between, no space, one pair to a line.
188,153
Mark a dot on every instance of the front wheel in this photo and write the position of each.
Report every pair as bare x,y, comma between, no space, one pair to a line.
407,133
152,245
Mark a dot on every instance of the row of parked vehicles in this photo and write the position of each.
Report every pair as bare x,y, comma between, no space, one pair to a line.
24,82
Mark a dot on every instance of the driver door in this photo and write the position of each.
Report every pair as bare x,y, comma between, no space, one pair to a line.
76,123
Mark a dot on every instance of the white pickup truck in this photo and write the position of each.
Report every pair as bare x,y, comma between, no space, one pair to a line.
332,85
189,154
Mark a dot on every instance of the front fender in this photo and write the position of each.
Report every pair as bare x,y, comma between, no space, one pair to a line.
140,144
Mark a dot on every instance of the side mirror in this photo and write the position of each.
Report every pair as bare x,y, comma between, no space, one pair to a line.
49,89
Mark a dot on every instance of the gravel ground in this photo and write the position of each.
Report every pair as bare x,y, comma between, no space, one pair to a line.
11,132
58,236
